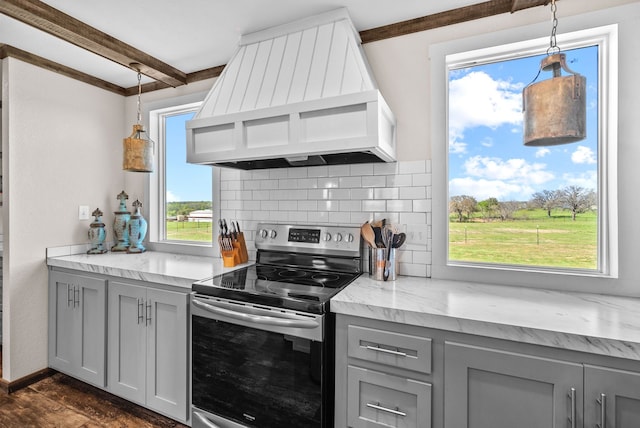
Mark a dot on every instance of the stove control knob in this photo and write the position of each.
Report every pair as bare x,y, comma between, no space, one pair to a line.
327,236
273,234
338,237
263,233
349,237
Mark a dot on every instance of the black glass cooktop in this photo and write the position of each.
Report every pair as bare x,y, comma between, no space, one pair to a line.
287,287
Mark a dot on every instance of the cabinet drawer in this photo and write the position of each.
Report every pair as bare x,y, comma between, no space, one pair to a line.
390,348
376,399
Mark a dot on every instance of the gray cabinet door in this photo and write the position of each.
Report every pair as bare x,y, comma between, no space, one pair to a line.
487,388
167,341
77,331
612,398
127,341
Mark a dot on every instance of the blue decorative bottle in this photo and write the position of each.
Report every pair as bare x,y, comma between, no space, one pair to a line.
97,234
137,228
120,224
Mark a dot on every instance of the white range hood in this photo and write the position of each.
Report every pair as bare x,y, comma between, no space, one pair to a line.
298,94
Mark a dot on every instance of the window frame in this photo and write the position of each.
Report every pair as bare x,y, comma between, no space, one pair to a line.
502,46
156,186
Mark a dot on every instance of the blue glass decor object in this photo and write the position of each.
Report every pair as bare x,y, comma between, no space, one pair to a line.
137,228
120,224
97,234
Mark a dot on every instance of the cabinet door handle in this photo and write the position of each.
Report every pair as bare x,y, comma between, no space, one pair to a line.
76,296
148,314
140,311
395,411
602,401
387,351
572,418
69,296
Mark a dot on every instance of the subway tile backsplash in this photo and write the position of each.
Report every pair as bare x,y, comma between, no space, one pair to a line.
338,194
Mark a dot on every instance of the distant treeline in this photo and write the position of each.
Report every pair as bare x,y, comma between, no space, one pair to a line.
184,208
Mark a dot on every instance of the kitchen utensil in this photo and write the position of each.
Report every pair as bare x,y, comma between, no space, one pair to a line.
368,234
377,231
389,240
398,240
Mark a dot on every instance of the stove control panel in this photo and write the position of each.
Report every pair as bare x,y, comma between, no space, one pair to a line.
330,240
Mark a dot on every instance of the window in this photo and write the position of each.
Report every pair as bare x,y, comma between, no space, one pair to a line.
502,206
181,193
512,204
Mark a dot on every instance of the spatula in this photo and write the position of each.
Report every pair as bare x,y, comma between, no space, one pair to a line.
368,235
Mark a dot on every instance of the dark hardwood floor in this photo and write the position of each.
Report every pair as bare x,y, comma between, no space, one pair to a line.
62,402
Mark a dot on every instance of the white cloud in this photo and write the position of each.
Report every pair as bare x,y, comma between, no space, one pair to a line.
476,99
518,170
540,153
587,180
487,142
583,155
457,147
483,189
172,197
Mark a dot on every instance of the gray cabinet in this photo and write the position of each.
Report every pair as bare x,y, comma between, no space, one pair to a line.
612,398
77,312
384,381
147,342
489,388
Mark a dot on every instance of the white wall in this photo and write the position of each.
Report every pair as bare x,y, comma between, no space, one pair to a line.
64,149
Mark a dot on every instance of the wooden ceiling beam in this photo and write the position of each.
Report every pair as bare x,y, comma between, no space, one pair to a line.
449,17
525,4
50,20
7,50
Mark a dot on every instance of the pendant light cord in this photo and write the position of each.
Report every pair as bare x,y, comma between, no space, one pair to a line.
553,45
139,92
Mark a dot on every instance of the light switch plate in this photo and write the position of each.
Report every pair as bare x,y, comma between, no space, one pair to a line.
83,212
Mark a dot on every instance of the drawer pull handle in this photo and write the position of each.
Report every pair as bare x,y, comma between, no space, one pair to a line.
395,411
387,351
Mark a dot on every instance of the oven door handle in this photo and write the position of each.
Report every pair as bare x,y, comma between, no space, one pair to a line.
296,322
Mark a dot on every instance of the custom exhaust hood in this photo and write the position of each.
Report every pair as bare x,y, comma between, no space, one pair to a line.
298,94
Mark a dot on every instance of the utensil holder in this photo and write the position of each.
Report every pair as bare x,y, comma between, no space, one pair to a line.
231,258
242,248
378,261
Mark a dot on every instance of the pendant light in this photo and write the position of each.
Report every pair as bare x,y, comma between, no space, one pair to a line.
138,148
555,110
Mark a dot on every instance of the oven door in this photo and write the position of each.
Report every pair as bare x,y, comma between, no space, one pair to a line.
254,366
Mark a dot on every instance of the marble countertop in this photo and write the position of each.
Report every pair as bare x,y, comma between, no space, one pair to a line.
152,266
598,324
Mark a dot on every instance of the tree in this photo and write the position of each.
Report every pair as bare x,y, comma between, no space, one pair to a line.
547,199
577,199
507,209
488,207
462,204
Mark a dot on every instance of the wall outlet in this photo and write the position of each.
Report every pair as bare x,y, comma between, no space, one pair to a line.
83,212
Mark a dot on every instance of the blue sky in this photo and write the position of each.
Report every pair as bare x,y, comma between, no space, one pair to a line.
185,182
487,157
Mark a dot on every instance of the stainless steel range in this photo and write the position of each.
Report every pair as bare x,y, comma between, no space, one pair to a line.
262,336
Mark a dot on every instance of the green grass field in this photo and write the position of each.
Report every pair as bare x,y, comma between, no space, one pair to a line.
189,231
531,238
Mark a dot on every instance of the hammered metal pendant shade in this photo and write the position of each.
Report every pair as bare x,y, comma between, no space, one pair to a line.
137,151
555,109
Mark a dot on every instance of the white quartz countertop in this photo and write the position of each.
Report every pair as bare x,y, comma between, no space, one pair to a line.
599,324
152,266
